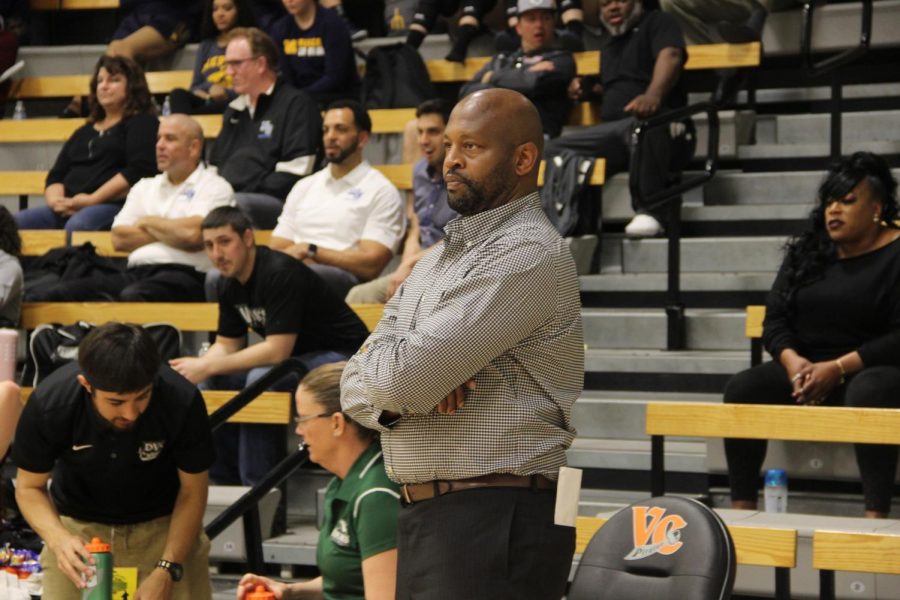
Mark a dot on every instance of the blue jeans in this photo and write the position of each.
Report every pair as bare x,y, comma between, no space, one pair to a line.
245,452
98,217
262,209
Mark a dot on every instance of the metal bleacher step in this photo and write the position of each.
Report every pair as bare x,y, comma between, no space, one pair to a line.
82,58
620,414
865,127
636,362
624,328
794,152
698,255
748,281
836,26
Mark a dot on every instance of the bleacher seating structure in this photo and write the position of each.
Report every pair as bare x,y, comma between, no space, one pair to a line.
734,230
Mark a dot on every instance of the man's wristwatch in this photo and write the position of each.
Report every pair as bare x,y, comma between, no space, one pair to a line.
311,251
175,570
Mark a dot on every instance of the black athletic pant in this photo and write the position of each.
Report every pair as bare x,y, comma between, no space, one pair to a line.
483,544
874,387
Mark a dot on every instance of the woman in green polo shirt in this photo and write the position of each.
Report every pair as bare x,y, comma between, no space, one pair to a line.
357,550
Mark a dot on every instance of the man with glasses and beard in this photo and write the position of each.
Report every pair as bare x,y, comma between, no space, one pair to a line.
345,221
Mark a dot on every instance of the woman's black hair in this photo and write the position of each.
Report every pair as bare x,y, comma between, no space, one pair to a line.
10,242
810,253
137,98
245,18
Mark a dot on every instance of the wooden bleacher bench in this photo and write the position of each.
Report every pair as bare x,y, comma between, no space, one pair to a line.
754,546
700,57
270,408
765,422
858,552
47,5
31,183
753,329
36,242
187,316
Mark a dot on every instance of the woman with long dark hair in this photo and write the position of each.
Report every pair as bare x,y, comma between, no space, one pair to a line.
833,323
102,160
211,89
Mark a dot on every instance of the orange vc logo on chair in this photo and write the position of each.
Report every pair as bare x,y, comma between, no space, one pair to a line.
655,533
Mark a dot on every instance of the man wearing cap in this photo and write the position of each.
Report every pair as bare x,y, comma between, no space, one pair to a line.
538,69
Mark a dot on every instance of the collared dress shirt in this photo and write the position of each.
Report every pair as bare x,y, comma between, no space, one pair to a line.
498,303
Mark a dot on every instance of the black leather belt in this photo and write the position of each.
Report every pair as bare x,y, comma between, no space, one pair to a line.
417,492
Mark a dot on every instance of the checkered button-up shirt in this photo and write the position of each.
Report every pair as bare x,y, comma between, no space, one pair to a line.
498,303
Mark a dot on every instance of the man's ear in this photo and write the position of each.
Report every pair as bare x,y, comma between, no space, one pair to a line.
248,237
527,158
84,382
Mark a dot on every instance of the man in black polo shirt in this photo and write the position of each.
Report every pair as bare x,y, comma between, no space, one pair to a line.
128,444
291,308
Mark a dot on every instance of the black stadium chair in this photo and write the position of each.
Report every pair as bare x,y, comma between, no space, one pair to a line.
658,549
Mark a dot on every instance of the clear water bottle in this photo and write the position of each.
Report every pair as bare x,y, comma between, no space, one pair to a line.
19,111
167,107
775,491
204,348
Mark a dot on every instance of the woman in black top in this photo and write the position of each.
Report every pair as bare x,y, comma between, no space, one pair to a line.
102,160
833,323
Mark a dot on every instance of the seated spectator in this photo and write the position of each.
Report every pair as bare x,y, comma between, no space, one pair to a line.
12,284
267,13
364,17
154,28
641,59
538,69
211,89
160,227
832,323
294,312
105,157
316,51
427,211
270,132
357,549
473,14
345,221
151,30
14,17
733,21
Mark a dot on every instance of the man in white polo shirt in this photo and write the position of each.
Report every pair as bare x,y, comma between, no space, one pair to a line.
160,226
345,221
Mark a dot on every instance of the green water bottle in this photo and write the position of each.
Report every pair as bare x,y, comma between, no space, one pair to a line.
99,586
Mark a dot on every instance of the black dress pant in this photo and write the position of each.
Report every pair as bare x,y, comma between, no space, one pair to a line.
145,283
490,544
874,387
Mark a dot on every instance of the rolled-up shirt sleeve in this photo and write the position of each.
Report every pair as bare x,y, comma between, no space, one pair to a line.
497,304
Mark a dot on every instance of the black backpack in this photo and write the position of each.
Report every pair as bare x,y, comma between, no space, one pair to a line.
53,345
566,195
396,77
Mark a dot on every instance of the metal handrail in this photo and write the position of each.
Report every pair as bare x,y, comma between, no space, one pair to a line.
246,506
675,323
833,62
245,396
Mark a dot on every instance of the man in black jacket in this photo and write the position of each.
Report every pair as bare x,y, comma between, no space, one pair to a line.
538,69
270,133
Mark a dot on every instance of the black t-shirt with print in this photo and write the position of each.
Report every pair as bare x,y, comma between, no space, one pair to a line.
103,475
283,295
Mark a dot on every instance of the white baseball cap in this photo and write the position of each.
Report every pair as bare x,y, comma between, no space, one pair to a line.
524,6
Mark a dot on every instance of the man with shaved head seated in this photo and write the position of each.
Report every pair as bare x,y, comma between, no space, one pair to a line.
159,226
471,374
